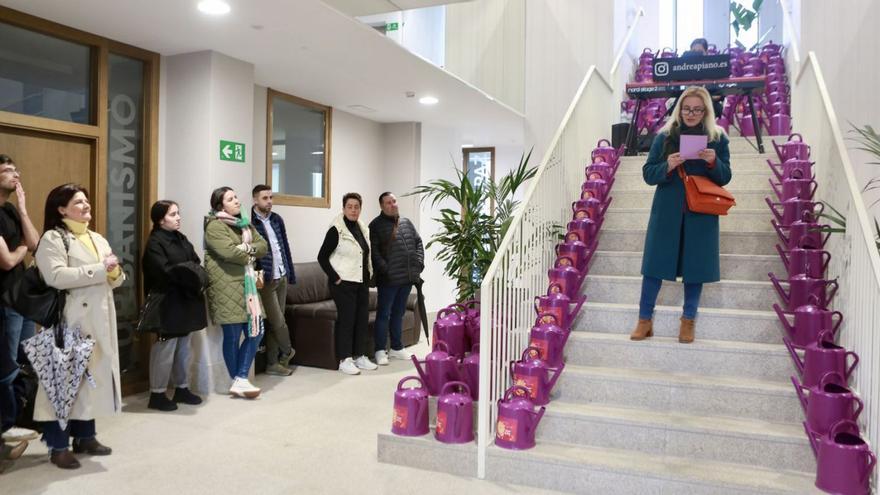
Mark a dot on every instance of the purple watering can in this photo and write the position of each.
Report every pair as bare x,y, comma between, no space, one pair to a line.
668,53
780,107
746,126
579,253
455,414
533,373
777,85
803,289
451,329
410,409
713,49
646,56
586,228
793,209
793,149
555,308
471,322
565,277
599,170
517,420
471,371
439,368
596,189
794,189
777,97
792,168
810,262
780,124
844,462
804,233
604,149
820,357
809,322
550,341
829,402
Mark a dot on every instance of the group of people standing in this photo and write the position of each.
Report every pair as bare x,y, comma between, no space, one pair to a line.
247,268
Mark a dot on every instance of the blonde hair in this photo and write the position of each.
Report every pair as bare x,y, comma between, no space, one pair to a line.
713,131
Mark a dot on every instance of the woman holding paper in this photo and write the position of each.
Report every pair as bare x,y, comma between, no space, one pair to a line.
679,242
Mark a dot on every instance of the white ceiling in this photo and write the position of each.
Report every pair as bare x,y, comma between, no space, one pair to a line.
357,8
302,47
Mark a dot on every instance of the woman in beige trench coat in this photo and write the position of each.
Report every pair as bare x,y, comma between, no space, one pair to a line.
88,271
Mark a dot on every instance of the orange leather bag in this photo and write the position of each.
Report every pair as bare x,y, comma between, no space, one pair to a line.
705,196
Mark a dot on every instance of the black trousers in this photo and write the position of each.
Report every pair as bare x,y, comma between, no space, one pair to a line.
352,318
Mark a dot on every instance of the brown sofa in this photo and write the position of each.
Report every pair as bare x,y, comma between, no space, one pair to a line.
311,315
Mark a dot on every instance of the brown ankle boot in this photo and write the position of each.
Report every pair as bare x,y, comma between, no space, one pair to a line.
686,331
64,459
644,329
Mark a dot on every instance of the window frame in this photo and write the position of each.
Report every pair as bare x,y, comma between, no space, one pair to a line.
281,198
465,155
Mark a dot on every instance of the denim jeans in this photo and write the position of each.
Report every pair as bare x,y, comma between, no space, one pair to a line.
17,330
650,290
8,405
390,310
238,354
58,439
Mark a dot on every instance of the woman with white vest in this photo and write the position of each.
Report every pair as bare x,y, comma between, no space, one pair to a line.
345,257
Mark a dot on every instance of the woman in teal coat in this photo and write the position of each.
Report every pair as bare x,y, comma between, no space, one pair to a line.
679,242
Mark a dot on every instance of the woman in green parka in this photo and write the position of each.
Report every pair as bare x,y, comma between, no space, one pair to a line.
231,246
679,242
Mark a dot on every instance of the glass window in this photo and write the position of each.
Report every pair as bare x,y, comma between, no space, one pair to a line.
44,76
299,150
688,23
125,162
479,165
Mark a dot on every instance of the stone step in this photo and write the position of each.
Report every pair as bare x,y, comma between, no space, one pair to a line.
733,266
730,294
738,219
745,199
591,470
738,162
759,243
769,362
736,325
753,180
722,439
680,393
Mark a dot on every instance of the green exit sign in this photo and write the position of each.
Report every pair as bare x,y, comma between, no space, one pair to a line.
230,151
391,26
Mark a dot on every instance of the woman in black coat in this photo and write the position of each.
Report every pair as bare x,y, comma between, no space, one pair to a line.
172,267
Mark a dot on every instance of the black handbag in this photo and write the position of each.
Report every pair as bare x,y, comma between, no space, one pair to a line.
151,314
31,297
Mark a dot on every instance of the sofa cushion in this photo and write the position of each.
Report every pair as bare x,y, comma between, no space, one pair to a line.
311,284
322,310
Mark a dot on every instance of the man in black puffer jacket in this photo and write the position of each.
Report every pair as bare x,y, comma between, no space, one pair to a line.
398,260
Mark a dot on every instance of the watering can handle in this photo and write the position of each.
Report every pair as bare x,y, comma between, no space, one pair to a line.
855,362
872,461
832,374
825,336
827,256
438,343
603,140
821,206
527,352
861,406
839,321
456,383
800,392
537,311
815,187
525,391
833,292
470,303
408,378
476,348
843,422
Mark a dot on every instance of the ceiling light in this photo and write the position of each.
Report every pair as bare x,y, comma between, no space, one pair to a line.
214,7
317,152
428,100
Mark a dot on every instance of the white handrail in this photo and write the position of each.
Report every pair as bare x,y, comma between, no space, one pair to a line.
855,260
788,24
620,51
518,271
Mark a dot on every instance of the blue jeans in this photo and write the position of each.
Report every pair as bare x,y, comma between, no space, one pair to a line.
650,290
390,310
239,357
17,330
58,439
8,406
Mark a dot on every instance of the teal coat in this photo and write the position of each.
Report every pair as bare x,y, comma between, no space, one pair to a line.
680,242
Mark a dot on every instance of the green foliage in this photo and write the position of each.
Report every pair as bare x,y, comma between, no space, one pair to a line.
743,17
469,236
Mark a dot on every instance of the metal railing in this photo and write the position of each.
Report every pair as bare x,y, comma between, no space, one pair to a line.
519,271
854,254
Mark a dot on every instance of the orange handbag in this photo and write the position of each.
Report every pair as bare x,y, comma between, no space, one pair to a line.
705,196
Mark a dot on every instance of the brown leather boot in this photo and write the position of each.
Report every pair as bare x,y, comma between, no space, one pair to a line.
644,329
64,459
686,331
90,446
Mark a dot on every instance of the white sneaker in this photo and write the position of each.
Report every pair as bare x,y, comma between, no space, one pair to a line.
381,358
364,363
17,434
401,354
348,367
241,387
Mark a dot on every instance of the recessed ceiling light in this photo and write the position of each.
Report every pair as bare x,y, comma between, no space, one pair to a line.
428,100
317,152
214,7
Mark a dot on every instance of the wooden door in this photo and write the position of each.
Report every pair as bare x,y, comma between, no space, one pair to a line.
46,161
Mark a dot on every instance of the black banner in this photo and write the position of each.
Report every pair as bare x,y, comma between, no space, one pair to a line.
694,68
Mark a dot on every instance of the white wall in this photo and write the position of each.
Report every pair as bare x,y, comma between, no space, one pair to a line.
846,40
402,143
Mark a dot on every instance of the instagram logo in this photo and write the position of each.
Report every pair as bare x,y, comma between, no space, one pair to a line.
661,69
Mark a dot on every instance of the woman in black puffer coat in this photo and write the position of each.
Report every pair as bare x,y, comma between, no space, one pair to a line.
171,266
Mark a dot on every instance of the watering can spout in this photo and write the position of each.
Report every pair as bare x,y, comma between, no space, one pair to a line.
812,439
538,415
773,210
419,370
798,363
789,328
783,256
778,228
776,190
786,298
800,393
556,376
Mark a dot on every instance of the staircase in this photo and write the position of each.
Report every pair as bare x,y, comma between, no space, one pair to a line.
717,416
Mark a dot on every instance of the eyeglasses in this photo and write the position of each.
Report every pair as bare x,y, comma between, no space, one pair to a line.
693,111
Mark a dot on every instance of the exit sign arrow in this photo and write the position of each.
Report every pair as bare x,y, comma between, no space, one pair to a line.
227,151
